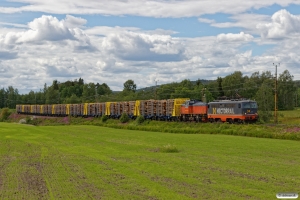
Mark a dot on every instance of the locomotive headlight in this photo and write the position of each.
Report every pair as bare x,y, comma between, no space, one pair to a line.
245,113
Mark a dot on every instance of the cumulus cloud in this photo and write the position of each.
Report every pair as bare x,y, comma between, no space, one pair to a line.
143,47
69,50
149,8
231,37
48,28
241,59
283,24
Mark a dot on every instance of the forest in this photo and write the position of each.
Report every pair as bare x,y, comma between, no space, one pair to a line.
259,87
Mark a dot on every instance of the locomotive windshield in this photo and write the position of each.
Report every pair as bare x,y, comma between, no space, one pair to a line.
250,105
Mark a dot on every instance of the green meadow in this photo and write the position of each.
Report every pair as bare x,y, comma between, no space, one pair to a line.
95,162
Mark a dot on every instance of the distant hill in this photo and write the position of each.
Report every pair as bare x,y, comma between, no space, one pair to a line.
203,81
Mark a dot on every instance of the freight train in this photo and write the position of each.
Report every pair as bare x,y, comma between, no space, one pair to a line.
231,111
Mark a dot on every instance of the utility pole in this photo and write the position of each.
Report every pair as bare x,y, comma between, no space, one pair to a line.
155,89
96,94
203,95
276,96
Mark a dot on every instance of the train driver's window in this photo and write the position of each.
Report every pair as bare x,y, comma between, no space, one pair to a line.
239,105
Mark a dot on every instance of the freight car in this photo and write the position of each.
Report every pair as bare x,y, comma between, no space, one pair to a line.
151,109
232,111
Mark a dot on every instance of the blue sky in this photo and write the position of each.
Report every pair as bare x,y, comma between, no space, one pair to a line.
113,41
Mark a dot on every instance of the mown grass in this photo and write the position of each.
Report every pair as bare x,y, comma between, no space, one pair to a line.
92,162
289,117
287,128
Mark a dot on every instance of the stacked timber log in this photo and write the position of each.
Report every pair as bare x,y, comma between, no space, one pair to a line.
38,109
130,109
33,109
118,108
43,109
63,109
78,109
49,110
18,108
91,111
72,109
57,109
142,108
169,107
161,108
150,108
113,110
100,109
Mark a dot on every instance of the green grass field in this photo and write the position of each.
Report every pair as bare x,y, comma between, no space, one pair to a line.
92,162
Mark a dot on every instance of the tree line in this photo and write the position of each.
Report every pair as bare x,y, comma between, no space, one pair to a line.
258,86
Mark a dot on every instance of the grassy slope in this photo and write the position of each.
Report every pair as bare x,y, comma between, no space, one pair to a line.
80,162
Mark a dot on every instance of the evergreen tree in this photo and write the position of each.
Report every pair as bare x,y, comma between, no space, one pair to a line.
286,91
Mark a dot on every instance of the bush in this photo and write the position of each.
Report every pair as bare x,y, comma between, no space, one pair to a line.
104,118
4,114
124,118
28,120
140,119
264,116
169,149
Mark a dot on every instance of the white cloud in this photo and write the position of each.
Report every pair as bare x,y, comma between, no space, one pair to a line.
67,50
73,22
204,20
149,8
247,21
241,60
143,47
47,28
284,24
231,37
106,30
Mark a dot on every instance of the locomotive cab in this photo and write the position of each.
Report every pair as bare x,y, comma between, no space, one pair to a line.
249,110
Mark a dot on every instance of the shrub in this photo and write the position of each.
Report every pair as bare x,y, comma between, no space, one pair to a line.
169,149
140,119
28,120
264,116
104,118
4,114
124,118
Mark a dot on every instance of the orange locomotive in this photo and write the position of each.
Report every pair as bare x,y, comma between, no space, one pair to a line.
194,110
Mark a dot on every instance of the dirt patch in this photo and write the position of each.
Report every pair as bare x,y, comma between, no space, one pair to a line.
2,167
246,176
35,184
183,188
79,179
